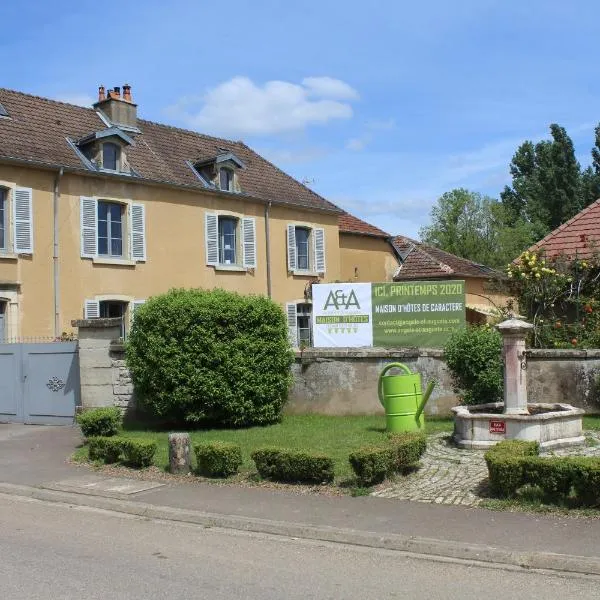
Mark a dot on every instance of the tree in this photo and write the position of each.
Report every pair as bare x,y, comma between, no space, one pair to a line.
547,187
590,178
473,226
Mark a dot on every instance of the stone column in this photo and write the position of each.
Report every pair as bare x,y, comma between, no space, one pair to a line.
179,453
514,333
95,363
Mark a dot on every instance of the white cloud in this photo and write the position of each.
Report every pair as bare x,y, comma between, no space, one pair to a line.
79,99
328,87
240,107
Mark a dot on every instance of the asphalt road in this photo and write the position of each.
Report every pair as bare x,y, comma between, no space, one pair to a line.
63,553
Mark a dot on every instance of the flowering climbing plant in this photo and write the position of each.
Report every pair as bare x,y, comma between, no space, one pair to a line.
560,296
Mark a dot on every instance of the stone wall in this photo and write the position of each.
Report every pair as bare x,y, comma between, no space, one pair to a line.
344,381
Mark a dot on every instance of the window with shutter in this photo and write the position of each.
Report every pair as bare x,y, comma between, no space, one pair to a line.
291,248
133,306
292,318
211,222
89,227
249,241
91,309
319,237
138,232
23,221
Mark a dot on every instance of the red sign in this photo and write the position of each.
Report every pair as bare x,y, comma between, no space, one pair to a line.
497,426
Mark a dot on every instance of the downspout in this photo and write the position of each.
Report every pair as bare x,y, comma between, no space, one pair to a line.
268,247
55,265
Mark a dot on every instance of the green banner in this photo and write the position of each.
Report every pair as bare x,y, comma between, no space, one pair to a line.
418,313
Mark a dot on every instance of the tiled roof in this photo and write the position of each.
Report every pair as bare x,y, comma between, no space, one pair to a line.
350,224
37,129
578,237
420,261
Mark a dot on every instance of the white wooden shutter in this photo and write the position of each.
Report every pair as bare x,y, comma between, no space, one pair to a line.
292,318
133,306
23,221
91,309
89,227
249,241
319,236
211,222
291,248
138,231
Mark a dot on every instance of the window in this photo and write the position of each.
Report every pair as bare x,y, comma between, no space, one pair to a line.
227,240
304,324
226,179
114,309
2,219
110,156
302,248
110,229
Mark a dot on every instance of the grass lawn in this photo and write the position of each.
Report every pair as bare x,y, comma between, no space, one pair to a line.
335,436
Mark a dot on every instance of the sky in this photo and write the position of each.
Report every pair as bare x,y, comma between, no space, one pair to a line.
380,107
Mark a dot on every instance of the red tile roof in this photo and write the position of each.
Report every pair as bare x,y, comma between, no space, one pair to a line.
350,224
578,237
421,261
37,129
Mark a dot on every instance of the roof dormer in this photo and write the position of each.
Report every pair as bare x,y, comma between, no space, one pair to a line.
105,150
220,171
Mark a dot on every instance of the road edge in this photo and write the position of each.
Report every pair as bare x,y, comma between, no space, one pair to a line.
412,544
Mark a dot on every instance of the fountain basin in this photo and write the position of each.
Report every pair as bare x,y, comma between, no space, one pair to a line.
551,425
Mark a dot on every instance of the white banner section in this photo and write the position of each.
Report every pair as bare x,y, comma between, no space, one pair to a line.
342,315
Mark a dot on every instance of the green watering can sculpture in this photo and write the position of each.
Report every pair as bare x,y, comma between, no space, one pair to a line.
402,399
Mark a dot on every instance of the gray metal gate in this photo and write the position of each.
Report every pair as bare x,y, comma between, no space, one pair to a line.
39,383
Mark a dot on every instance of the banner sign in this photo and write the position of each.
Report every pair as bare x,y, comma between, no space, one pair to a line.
391,315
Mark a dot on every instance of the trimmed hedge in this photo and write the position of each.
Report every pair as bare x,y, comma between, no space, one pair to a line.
218,459
513,464
372,464
134,453
103,422
210,358
293,466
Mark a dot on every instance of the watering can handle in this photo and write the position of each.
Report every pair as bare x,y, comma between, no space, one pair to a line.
395,365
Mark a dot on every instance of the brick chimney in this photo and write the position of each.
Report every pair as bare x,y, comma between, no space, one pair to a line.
119,110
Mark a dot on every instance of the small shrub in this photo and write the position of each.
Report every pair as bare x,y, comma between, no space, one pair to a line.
218,459
505,463
293,466
373,464
108,449
100,422
473,356
586,480
554,476
408,449
138,453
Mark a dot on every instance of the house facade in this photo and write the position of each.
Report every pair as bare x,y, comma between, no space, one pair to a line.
99,210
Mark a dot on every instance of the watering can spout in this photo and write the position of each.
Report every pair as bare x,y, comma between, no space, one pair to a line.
426,396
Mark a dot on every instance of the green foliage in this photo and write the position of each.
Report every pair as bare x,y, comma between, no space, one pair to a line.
218,459
293,466
210,358
586,481
100,421
372,464
473,356
108,449
506,462
554,476
138,454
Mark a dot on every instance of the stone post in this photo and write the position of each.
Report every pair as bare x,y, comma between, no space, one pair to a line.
179,453
514,333
95,364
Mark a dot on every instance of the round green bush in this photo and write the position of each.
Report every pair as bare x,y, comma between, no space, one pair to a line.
474,357
210,358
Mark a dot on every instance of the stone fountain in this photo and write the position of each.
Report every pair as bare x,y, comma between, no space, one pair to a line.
483,425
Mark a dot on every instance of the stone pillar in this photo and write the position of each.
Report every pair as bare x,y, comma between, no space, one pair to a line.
514,333
179,453
95,363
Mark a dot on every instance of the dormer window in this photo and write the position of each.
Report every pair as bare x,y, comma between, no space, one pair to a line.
226,179
110,156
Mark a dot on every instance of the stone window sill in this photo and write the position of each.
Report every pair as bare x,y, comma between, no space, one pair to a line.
8,256
123,262
231,268
303,273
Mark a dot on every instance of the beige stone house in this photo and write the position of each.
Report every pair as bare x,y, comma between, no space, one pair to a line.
99,210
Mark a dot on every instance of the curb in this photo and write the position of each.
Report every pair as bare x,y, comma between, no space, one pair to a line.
415,545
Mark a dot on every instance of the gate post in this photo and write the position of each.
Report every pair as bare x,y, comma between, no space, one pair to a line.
95,363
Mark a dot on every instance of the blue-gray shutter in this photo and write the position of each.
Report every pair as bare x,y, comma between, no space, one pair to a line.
249,242
23,221
291,311
291,248
319,237
211,229
138,232
89,226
